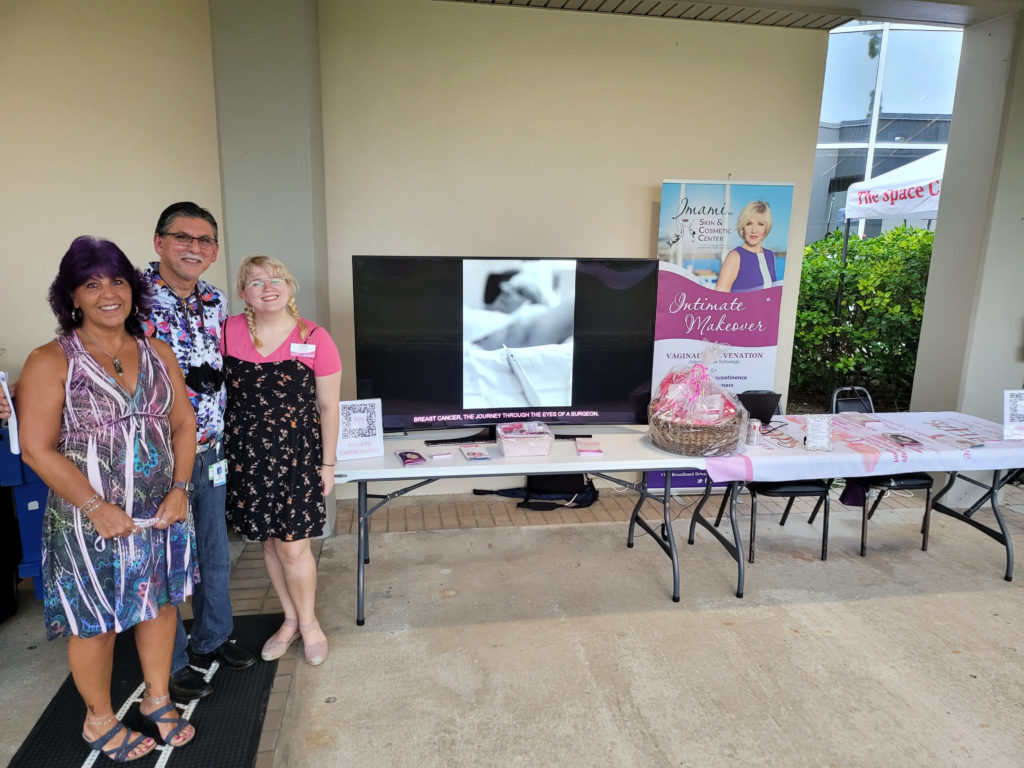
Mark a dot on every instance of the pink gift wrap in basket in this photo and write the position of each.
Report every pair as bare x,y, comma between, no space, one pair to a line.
693,416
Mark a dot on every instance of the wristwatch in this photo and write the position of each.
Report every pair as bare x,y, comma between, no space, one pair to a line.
186,486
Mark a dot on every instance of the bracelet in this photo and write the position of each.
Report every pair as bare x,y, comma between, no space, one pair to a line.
91,504
326,465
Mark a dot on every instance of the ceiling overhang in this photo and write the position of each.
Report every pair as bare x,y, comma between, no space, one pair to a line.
801,14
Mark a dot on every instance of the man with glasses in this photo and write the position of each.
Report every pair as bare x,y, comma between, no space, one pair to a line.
188,313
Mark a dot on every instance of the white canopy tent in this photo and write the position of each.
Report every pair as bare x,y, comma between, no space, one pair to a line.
910,191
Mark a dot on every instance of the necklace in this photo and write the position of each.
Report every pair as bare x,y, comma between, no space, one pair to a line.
114,357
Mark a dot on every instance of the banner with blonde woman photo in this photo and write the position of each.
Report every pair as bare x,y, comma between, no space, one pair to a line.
723,248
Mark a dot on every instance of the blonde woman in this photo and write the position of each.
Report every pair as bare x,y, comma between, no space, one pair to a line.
283,377
750,266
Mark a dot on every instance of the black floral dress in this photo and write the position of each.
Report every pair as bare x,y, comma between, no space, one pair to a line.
272,442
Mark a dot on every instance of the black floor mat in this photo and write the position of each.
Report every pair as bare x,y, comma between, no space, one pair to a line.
228,722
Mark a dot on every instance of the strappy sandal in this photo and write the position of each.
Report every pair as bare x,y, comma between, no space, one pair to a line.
316,653
160,717
275,649
122,753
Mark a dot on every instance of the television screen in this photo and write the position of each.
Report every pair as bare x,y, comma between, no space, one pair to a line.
460,342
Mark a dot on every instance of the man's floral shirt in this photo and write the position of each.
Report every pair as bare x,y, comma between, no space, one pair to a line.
193,326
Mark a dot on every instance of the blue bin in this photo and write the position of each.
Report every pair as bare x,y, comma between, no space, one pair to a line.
28,475
10,463
29,505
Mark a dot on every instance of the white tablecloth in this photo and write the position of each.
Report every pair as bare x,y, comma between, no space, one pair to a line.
862,445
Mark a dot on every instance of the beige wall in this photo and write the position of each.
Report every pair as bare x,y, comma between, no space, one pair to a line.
495,130
107,116
448,129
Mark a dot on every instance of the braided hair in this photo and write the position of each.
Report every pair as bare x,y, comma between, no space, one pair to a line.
277,269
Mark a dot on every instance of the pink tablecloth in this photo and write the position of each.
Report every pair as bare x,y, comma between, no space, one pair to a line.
863,444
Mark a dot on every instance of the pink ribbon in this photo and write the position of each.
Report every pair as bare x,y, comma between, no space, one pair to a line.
698,375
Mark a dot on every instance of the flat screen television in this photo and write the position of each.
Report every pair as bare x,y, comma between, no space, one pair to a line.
467,341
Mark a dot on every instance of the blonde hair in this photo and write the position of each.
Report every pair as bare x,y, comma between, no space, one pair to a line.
755,206
277,269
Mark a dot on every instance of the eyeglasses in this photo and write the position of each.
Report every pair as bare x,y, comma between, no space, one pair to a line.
184,240
273,282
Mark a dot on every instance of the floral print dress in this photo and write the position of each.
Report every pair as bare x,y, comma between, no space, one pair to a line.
121,441
272,442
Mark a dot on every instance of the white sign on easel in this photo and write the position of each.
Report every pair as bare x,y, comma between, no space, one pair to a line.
818,429
360,431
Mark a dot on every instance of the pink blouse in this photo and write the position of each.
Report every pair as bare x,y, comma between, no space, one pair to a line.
318,351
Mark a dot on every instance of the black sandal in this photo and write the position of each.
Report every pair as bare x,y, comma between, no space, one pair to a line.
158,716
121,754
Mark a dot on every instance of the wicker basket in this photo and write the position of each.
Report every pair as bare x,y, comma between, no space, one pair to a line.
698,439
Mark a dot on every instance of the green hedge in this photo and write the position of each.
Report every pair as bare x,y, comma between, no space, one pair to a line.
873,343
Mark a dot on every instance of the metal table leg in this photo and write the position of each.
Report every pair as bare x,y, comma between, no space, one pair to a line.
363,537
642,490
665,539
1003,534
672,552
734,547
363,553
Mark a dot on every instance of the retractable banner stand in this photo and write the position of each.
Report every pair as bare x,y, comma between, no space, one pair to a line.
723,248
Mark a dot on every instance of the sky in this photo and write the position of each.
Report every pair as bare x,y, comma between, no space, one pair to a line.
920,73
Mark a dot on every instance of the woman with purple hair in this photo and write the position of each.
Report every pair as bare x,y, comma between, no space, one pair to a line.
106,422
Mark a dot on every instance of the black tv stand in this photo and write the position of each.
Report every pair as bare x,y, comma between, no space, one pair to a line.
485,435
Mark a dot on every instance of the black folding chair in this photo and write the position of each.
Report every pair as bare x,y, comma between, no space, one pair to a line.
858,399
855,399
791,489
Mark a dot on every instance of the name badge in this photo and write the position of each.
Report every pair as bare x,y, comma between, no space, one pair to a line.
219,472
304,350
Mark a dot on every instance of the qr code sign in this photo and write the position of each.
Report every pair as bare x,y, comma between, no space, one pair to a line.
358,420
1013,414
1015,401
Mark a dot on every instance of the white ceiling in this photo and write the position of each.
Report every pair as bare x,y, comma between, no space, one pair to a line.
807,14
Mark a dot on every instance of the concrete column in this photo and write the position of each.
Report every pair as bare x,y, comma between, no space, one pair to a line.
266,65
972,335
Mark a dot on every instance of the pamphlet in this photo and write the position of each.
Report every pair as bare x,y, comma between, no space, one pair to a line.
474,452
585,447
360,432
904,440
1013,414
408,458
868,420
